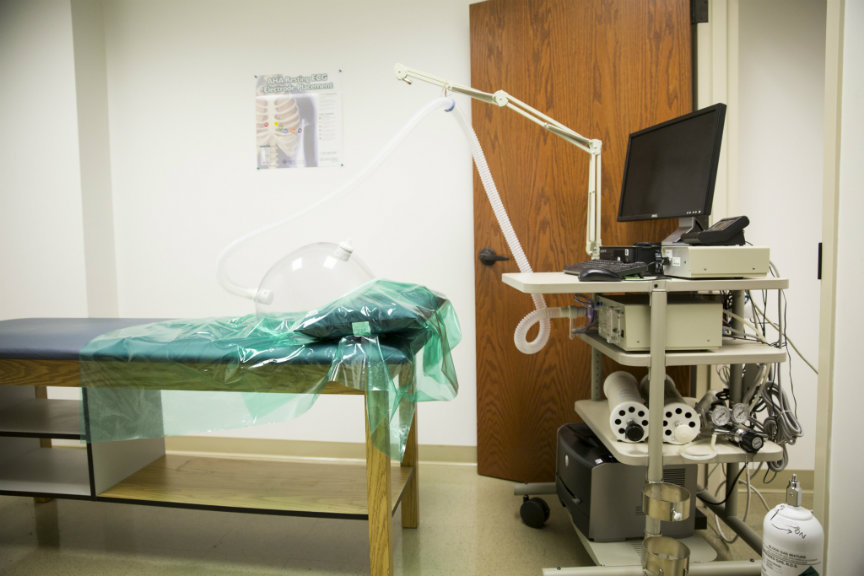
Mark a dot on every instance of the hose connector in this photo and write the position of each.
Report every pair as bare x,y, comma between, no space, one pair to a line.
568,312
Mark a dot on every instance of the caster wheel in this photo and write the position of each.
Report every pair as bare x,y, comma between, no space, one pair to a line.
534,512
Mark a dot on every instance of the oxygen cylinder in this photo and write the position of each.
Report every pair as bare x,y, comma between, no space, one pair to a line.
792,538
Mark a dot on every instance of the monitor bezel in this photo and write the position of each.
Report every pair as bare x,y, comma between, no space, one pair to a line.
719,110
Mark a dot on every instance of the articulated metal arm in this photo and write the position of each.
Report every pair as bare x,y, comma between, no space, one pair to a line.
505,100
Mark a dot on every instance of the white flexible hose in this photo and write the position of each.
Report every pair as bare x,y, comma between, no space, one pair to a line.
234,288
539,315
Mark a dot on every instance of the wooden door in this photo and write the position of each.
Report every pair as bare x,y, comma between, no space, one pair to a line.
604,68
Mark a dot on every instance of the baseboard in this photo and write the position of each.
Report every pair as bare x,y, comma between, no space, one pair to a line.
304,449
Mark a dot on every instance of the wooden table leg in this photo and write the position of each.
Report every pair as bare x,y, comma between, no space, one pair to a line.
379,500
411,498
41,393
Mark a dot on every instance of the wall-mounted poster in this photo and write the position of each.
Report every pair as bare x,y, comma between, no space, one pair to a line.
297,120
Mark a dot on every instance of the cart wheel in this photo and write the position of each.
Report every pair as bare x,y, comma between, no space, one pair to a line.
534,512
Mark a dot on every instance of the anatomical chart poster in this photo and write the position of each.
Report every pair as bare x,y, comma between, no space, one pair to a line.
298,120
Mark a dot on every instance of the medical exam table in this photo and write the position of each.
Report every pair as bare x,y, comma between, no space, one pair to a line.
128,370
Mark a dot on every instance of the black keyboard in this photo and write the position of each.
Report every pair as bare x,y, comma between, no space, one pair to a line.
606,269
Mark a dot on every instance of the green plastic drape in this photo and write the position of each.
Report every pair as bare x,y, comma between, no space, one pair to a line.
391,340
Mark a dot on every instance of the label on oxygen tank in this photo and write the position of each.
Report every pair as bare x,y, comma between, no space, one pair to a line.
788,547
783,562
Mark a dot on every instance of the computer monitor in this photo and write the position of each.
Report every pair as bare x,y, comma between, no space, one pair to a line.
671,168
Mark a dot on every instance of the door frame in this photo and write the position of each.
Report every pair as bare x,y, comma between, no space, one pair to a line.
717,72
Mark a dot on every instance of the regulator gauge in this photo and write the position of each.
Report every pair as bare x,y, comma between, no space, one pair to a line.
720,416
741,413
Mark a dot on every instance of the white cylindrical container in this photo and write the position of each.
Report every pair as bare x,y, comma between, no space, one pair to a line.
681,423
792,538
628,415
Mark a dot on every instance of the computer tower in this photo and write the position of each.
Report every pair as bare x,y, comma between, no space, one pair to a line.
648,253
603,496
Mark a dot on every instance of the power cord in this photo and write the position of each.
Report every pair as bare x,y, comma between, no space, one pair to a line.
750,490
780,423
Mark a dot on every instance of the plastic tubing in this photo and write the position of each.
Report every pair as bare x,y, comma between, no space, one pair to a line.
233,287
541,313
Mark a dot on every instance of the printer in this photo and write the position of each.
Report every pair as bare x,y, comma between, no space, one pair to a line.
603,496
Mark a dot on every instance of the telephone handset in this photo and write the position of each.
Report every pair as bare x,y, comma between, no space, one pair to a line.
725,232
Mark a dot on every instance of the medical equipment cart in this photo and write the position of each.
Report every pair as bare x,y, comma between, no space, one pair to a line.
595,412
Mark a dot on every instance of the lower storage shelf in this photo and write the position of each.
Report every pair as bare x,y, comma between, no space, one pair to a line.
46,471
320,489
42,419
629,552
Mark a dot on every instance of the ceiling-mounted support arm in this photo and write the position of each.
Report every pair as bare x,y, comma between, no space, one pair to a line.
503,99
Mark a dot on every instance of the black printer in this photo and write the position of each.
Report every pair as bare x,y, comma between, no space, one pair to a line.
603,496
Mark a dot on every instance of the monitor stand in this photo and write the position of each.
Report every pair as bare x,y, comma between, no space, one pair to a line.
686,224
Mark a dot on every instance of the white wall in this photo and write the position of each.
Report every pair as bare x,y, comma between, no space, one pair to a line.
846,468
179,79
779,187
95,157
41,236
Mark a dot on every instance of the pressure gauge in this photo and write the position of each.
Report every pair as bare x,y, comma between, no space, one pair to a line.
720,415
741,413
